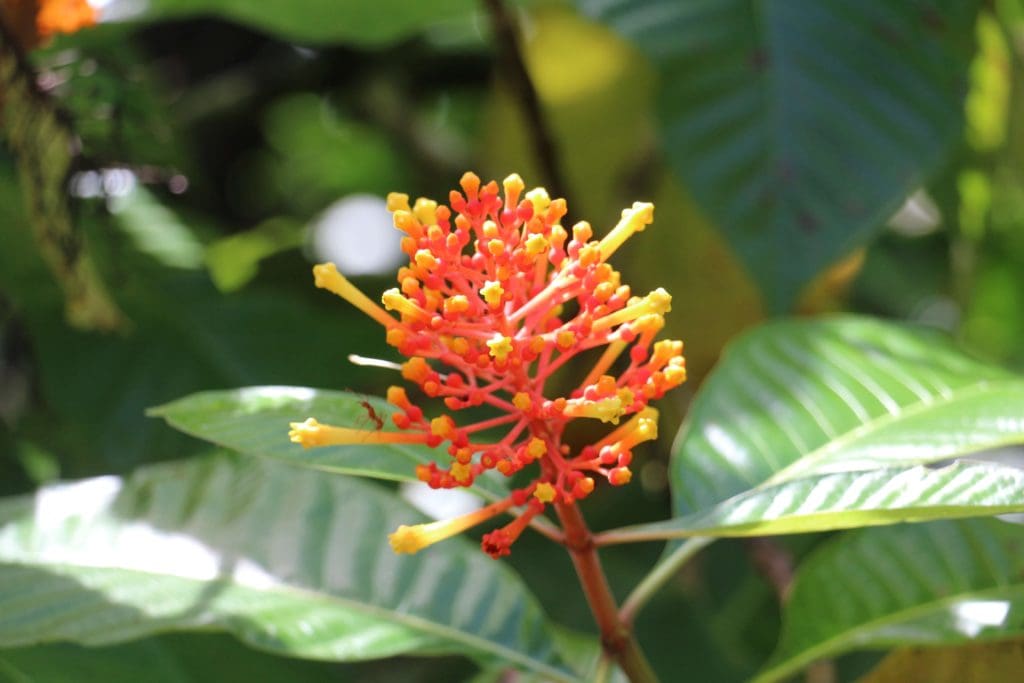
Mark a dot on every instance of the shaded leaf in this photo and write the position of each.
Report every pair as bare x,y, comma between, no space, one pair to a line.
594,85
323,21
285,559
923,584
801,126
169,658
186,338
63,663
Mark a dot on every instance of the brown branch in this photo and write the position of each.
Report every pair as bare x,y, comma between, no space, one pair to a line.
45,147
510,59
774,563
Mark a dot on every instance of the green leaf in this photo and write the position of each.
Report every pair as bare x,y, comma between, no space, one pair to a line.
254,420
800,125
168,658
285,559
186,338
925,584
324,21
798,399
63,663
845,500
980,662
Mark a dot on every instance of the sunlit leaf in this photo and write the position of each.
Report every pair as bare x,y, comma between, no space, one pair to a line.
255,420
287,560
795,399
841,500
234,260
923,584
157,231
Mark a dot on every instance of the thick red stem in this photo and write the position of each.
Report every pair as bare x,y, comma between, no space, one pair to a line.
616,636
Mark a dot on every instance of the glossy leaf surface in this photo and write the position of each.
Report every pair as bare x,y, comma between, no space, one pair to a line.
922,584
254,420
844,500
798,399
287,560
801,125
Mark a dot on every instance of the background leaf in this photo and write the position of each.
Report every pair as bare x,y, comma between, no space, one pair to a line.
254,420
287,560
800,126
168,658
794,399
42,141
925,584
322,21
972,663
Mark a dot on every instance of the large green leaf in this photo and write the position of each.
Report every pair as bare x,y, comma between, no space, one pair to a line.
798,399
167,658
63,663
254,420
925,584
288,560
323,21
801,125
843,500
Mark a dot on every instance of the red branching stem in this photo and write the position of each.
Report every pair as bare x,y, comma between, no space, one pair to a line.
493,422
616,636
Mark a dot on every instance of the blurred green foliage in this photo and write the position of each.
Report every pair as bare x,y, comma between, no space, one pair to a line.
777,140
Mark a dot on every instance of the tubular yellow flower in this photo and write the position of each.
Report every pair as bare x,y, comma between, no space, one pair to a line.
647,414
606,410
522,401
412,539
497,296
311,433
536,448
326,276
609,356
394,301
536,245
492,292
545,492
500,347
634,220
657,302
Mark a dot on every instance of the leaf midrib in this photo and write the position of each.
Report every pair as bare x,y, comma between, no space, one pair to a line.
682,527
804,466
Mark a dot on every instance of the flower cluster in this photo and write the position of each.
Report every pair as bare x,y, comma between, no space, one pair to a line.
496,298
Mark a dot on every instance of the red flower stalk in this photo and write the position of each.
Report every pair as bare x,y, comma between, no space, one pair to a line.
498,296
